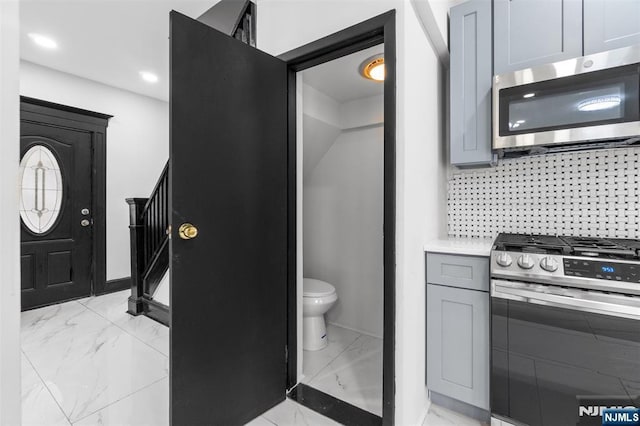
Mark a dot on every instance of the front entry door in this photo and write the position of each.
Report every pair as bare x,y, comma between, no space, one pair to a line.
228,186
56,230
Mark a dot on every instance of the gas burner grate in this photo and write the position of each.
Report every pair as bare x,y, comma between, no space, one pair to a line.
532,243
564,245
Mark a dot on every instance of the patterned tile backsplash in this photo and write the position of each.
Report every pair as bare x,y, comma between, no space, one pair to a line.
589,193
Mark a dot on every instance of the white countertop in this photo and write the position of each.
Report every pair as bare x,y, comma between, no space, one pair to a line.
468,246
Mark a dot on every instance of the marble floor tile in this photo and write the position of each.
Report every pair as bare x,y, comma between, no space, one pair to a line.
57,322
440,416
260,421
147,407
88,371
111,306
114,308
38,406
144,328
355,376
158,338
314,361
290,413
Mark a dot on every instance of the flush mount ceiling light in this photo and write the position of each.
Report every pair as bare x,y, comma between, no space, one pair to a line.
43,41
149,77
599,103
373,68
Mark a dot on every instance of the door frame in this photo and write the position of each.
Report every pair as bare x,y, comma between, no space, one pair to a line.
95,123
378,30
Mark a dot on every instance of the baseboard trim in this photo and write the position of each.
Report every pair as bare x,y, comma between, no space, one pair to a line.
366,333
157,311
111,286
460,407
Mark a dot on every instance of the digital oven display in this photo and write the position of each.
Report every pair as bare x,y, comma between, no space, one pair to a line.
602,270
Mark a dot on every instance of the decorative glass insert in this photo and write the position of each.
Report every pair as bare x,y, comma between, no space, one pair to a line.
40,189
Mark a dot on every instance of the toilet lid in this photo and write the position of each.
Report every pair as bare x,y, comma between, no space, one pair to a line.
316,288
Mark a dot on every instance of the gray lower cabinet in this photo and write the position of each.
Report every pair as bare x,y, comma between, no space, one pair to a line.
470,84
458,344
469,272
527,33
610,24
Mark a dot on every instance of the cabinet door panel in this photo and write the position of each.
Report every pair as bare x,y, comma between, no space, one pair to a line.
456,351
471,84
458,344
610,24
530,32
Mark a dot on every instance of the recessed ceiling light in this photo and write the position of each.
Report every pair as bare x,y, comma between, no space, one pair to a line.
149,77
373,68
43,41
529,95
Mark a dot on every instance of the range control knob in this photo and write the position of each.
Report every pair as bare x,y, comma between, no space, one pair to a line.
526,262
504,260
549,264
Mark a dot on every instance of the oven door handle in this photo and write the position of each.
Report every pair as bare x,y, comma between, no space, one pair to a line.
573,299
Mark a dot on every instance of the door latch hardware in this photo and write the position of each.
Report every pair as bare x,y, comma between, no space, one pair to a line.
187,231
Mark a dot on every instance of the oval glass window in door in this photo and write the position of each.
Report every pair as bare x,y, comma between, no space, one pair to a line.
40,189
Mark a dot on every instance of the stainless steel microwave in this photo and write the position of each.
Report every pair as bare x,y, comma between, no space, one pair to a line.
575,102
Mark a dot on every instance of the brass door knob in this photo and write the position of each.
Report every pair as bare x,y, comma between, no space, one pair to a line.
187,231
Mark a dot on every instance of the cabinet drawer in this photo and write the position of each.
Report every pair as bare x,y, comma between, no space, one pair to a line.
468,272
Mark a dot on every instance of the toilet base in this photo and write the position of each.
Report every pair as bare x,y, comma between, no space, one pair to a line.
314,333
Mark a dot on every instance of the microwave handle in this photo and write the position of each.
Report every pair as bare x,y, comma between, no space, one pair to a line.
622,307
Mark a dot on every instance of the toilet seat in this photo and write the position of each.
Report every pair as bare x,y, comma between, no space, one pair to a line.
316,288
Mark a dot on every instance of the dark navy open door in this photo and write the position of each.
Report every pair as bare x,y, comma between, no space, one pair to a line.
228,199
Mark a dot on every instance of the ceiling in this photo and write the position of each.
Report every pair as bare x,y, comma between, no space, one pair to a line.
341,79
109,41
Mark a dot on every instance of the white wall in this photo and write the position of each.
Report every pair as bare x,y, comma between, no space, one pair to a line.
420,177
440,10
10,399
343,206
434,18
137,145
362,112
421,199
163,292
321,106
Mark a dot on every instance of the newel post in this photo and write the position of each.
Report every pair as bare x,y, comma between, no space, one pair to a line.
136,231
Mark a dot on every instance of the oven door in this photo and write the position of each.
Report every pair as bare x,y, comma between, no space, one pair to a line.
554,349
591,98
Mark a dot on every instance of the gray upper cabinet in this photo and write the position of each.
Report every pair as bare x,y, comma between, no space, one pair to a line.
470,68
458,344
610,24
533,32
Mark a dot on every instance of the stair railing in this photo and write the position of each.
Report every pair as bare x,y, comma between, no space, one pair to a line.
149,220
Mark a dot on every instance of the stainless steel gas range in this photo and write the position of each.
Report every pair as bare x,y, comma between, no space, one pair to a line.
565,328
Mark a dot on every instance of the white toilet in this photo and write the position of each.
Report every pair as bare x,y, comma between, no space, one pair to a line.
317,298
